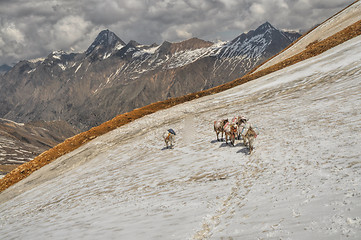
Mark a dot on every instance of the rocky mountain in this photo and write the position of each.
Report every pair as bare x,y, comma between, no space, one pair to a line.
111,77
104,45
21,142
263,42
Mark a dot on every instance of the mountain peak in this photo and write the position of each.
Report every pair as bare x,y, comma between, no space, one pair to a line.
105,40
263,42
193,43
264,27
133,43
189,44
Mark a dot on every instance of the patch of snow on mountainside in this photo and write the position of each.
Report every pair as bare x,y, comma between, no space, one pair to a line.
186,57
58,54
30,71
62,66
11,122
179,59
151,50
106,55
252,48
35,60
302,182
119,46
77,69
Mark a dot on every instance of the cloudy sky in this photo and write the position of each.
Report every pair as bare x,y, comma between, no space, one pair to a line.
34,28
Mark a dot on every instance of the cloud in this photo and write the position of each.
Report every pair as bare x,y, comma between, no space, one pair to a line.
12,40
67,32
31,29
257,9
328,4
177,32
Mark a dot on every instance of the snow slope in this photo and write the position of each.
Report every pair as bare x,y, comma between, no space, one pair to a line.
302,182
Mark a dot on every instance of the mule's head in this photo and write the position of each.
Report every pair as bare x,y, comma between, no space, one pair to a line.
242,120
234,128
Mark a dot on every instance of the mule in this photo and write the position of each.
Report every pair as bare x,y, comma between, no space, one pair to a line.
241,121
249,138
219,127
169,138
231,131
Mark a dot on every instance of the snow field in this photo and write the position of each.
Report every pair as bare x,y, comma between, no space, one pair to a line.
303,180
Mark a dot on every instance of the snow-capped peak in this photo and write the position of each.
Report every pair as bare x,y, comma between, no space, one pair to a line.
106,40
265,26
255,43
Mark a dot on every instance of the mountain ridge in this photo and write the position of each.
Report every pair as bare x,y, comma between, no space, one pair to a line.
120,77
21,142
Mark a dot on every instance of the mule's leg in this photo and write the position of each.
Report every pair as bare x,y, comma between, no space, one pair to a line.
232,138
217,135
244,140
251,144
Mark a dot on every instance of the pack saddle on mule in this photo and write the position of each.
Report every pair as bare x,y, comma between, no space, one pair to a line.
231,132
169,138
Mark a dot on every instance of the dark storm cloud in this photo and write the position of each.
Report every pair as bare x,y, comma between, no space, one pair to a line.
32,28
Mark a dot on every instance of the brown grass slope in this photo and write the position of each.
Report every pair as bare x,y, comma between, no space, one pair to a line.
72,143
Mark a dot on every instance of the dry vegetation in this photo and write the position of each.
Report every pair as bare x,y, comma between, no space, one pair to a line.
72,143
